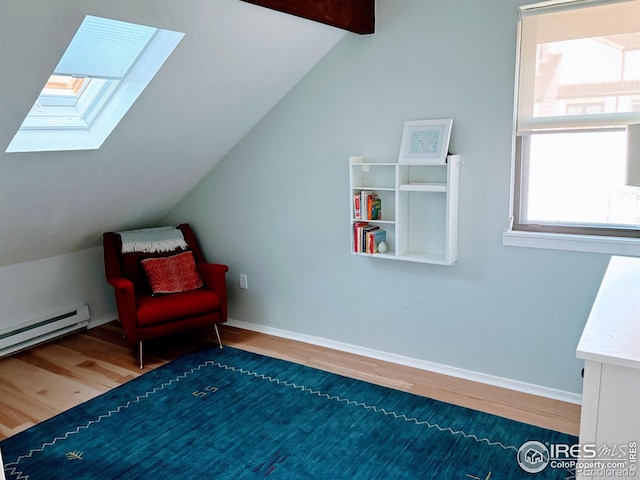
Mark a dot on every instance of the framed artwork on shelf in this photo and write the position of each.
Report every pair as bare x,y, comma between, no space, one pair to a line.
425,141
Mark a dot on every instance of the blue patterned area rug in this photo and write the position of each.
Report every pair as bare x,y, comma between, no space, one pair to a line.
230,414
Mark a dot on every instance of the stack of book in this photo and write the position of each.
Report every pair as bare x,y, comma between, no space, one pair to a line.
367,206
366,237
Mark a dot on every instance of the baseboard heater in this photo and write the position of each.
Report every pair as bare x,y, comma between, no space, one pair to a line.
28,334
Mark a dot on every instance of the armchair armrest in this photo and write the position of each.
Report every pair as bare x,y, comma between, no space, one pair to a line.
121,283
213,276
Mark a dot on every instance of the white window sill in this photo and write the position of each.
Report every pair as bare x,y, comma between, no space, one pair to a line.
629,247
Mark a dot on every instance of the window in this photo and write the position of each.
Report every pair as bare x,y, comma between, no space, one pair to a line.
69,102
105,68
578,85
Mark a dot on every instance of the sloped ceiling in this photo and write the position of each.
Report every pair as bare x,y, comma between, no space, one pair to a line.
235,62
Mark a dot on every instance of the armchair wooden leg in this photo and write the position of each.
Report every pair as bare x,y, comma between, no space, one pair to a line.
140,354
215,325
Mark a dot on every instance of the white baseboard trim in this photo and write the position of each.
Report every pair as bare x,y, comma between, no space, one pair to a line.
479,377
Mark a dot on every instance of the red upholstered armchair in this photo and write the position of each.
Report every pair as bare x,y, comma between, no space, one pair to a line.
153,300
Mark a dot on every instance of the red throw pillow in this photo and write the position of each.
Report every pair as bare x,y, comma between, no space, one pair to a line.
173,274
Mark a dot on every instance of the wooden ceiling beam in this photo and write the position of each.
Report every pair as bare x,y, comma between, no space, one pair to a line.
356,16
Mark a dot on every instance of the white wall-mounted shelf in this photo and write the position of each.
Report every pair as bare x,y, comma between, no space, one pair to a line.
419,207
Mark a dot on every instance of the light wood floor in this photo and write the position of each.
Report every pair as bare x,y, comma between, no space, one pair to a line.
38,383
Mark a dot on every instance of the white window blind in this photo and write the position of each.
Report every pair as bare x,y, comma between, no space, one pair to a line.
579,67
104,48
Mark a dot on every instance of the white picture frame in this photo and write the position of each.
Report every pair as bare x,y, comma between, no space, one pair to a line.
425,141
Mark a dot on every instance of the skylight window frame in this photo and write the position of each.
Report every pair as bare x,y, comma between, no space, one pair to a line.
75,112
90,129
54,95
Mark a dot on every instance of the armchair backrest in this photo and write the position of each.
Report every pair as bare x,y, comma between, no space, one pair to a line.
127,265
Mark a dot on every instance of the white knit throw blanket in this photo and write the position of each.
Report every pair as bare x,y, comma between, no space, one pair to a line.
149,240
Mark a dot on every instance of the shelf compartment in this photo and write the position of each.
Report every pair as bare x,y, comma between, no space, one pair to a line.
368,176
391,241
422,227
388,202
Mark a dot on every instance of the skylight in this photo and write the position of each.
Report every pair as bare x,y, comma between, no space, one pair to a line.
69,102
104,70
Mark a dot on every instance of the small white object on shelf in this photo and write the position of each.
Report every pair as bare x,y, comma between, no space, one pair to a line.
382,247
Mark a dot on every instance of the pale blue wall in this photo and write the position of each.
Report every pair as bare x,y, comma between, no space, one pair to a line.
276,208
41,288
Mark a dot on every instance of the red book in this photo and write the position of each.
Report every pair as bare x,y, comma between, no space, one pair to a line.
357,236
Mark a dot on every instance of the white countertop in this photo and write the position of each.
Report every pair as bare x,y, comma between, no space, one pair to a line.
612,332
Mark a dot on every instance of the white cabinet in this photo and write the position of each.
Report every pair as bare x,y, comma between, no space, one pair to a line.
419,207
610,346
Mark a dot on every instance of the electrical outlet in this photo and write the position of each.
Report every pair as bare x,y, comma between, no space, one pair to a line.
243,282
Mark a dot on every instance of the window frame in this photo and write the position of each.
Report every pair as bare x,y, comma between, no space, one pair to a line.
621,240
89,125
70,112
